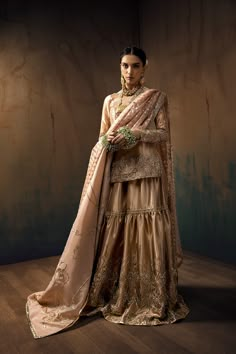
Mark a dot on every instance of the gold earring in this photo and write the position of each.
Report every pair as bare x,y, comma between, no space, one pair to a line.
122,81
142,80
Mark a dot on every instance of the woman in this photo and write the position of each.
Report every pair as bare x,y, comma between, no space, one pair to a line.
123,251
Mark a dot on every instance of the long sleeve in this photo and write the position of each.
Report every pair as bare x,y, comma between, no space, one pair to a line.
105,119
156,135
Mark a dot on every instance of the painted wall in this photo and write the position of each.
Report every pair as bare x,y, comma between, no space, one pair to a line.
192,56
58,60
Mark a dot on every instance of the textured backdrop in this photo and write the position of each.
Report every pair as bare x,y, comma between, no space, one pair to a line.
58,60
193,58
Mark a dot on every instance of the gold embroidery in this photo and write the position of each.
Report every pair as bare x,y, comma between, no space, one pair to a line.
127,169
137,211
109,281
57,314
127,294
61,276
153,135
29,321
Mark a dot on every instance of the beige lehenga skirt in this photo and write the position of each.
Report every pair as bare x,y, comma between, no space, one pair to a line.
135,277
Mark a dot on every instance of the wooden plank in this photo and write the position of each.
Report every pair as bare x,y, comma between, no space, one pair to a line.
207,286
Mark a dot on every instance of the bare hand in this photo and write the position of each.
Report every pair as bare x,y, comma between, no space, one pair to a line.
111,136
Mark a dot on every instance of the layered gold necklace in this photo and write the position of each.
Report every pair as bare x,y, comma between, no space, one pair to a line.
134,92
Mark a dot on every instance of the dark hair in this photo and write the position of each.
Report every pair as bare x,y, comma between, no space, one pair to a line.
134,51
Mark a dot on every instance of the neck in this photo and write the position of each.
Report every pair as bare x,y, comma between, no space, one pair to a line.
129,86
132,87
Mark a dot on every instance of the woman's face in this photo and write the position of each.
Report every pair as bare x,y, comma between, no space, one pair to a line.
132,69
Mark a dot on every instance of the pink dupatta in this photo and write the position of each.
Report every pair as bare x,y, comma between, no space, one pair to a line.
60,305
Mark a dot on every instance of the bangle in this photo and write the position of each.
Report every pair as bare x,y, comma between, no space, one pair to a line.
128,135
104,141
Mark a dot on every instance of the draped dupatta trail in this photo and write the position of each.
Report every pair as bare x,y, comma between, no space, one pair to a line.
61,303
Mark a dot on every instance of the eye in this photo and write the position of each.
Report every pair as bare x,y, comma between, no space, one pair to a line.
124,65
136,65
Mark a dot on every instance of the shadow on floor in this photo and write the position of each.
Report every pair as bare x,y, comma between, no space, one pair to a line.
209,303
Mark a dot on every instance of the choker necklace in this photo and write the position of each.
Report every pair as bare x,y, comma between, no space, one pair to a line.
130,92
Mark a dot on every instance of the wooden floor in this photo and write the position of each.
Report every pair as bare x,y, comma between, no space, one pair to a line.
208,287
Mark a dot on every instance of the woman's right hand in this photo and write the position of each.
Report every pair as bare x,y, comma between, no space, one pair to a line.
111,136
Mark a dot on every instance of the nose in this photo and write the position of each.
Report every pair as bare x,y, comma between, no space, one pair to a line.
129,70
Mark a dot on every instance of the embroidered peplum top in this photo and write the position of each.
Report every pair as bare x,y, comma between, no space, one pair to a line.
142,160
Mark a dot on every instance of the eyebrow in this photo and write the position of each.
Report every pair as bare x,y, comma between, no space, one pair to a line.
124,62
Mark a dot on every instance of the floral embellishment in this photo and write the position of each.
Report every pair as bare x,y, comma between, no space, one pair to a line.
128,135
107,145
61,276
